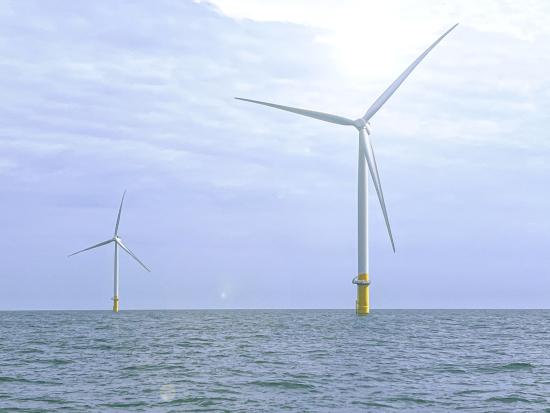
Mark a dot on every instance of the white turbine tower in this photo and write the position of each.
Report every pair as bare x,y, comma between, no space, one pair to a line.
118,243
366,153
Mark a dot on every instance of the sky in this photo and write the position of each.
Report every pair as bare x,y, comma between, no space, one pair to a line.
234,205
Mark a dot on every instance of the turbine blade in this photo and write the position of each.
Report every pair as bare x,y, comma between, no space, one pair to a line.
373,168
91,248
327,117
119,211
397,82
132,255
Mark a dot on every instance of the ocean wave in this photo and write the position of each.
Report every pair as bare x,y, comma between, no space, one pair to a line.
284,384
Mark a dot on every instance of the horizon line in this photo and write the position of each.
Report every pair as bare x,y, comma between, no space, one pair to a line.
283,309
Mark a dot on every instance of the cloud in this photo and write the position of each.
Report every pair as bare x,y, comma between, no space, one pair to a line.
485,82
229,197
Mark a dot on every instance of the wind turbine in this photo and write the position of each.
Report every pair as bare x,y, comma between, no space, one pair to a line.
366,153
118,243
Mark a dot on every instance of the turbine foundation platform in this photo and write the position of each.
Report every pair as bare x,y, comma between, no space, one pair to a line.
115,304
362,306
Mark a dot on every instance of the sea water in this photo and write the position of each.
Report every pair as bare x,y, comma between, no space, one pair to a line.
275,360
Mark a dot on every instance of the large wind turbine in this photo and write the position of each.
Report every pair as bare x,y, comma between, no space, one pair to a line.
366,153
118,243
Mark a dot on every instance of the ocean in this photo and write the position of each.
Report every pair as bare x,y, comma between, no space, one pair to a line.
275,361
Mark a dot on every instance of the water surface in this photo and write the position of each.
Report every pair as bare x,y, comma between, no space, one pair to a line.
275,360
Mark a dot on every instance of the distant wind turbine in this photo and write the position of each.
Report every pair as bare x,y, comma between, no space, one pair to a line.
118,243
366,152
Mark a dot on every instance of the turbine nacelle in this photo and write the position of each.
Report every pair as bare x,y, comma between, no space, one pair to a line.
360,124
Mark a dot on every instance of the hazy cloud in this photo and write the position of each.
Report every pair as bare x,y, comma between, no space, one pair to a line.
236,205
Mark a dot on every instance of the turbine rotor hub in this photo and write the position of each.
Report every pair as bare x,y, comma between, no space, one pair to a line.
360,124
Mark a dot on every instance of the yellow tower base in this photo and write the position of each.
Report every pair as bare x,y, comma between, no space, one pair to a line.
362,306
115,304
